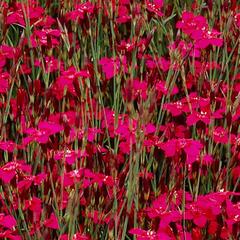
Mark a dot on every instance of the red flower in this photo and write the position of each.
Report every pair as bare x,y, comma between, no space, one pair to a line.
50,64
176,108
155,7
80,11
69,155
195,116
190,23
16,16
10,169
52,222
8,146
123,14
72,177
66,82
7,221
79,236
4,85
140,89
144,235
191,147
41,135
34,205
220,135
45,37
112,66
197,28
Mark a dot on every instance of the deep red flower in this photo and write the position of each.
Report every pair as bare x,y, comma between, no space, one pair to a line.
155,7
80,236
16,16
112,66
194,117
220,135
42,37
123,14
144,235
197,28
8,146
69,156
191,147
4,82
10,169
41,135
80,11
7,221
52,222
50,64
176,108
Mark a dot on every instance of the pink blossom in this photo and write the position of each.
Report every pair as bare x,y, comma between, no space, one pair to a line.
52,222
112,66
8,146
80,10
191,147
7,221
4,82
9,170
41,135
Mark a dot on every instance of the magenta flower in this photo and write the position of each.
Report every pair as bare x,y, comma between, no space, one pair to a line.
80,11
100,178
156,63
45,37
237,19
16,16
66,82
123,14
185,49
4,82
144,235
39,178
10,235
220,135
52,222
92,133
207,159
190,23
10,169
69,156
72,177
195,116
42,134
162,89
35,205
205,38
197,28
79,236
155,7
191,147
7,221
176,108
112,66
50,64
8,146
25,183
140,89
161,234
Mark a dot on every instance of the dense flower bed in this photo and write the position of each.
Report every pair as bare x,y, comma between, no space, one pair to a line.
119,119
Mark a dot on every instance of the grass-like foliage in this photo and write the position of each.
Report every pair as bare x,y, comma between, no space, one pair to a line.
119,119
